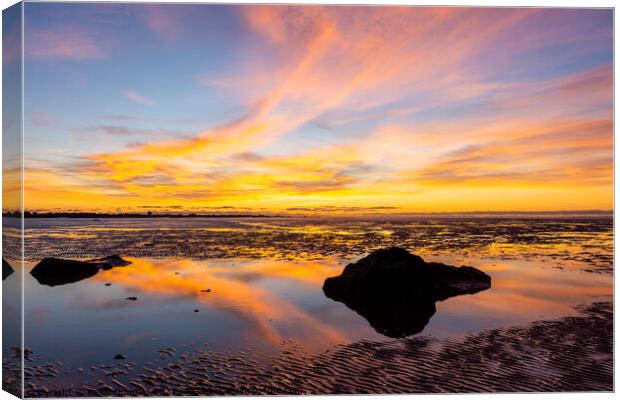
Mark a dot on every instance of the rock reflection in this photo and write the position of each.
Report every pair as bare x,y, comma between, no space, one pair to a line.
396,291
397,320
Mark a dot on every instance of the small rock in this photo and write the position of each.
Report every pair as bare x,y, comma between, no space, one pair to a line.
206,291
120,357
196,310
132,298
108,284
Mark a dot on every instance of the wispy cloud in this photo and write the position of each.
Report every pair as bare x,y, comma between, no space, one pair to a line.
66,42
121,117
121,130
138,98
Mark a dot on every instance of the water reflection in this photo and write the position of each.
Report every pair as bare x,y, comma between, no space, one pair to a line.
260,307
279,300
236,289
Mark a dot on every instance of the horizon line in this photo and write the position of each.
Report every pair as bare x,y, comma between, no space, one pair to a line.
268,214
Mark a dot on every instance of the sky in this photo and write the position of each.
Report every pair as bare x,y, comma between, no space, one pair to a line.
311,109
11,108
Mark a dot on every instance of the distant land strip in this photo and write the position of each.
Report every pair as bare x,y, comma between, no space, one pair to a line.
464,214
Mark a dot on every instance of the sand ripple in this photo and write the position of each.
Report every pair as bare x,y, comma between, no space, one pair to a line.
567,354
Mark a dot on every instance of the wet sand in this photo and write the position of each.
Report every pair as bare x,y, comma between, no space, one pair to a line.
583,240
567,354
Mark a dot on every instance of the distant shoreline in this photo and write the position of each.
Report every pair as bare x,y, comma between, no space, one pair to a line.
467,214
132,215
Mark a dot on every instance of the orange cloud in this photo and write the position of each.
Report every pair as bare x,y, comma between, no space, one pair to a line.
573,153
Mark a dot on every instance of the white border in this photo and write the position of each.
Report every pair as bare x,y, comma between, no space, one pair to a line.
478,3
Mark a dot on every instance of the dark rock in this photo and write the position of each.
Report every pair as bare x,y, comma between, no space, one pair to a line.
206,291
120,357
132,298
108,284
396,291
56,271
196,310
394,274
7,270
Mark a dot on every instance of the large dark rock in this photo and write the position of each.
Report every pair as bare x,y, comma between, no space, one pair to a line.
394,274
396,291
57,271
7,270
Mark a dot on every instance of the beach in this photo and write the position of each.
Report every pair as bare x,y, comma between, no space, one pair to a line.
235,306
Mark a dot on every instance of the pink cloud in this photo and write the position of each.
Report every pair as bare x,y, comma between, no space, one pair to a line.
67,42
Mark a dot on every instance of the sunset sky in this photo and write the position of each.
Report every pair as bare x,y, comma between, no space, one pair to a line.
290,109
